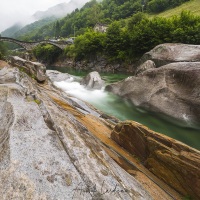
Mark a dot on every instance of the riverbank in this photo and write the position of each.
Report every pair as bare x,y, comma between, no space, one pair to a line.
99,64
125,110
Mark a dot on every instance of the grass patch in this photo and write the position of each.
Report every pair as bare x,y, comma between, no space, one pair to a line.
193,6
37,101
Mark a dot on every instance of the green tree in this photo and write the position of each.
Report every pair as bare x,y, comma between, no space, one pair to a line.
3,50
116,43
146,33
47,53
186,28
57,29
89,45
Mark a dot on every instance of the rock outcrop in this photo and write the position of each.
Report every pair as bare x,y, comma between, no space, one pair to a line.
49,146
93,81
173,162
169,53
172,90
58,76
34,69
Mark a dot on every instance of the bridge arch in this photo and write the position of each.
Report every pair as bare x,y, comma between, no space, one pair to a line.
60,46
31,45
11,40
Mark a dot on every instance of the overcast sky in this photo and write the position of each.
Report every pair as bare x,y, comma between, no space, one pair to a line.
12,11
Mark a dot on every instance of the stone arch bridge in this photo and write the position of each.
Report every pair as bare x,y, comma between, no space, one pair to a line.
30,45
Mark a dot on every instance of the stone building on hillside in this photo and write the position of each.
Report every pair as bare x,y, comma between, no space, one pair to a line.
99,27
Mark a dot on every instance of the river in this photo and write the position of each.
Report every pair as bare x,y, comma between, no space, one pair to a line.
124,110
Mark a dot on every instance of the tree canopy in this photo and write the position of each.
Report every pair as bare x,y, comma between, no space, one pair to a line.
140,35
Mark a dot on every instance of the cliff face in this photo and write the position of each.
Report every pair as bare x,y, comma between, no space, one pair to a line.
171,161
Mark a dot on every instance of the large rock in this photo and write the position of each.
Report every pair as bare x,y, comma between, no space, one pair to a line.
48,150
172,90
93,81
172,161
35,69
168,53
58,76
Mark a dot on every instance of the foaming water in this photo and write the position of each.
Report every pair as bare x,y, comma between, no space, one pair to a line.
77,90
102,100
124,110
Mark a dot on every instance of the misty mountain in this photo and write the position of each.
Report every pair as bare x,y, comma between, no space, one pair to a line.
60,10
28,29
42,18
13,29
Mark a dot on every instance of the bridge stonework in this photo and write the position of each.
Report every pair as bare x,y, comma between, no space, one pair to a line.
31,45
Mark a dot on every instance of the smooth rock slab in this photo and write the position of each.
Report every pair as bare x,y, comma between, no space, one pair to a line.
48,153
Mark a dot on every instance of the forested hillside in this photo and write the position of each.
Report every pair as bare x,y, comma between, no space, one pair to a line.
131,32
126,42
26,32
106,11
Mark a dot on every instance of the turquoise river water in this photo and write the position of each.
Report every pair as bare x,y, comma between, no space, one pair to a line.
124,110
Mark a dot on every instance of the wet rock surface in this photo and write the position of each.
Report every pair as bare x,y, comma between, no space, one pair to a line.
58,76
172,161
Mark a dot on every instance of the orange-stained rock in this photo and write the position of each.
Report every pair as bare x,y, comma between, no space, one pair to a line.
174,162
3,64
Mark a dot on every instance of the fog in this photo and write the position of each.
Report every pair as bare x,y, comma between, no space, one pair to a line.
14,11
